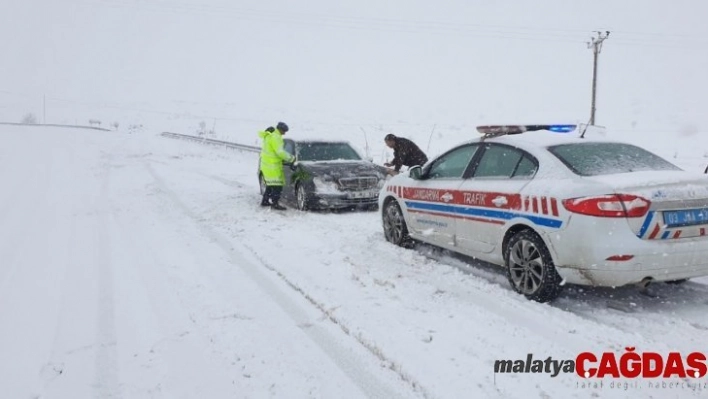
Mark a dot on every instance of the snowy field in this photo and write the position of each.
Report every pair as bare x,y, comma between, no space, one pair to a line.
137,266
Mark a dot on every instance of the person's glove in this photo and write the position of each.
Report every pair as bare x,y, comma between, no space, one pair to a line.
270,129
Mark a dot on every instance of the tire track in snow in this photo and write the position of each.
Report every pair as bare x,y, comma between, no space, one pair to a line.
371,385
595,306
106,379
371,346
230,183
17,241
55,364
165,338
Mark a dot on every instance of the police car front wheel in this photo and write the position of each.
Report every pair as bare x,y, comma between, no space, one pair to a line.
394,225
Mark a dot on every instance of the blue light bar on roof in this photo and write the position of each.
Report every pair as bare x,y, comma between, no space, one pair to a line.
561,128
500,130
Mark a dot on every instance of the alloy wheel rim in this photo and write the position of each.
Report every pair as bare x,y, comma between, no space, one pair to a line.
526,267
393,224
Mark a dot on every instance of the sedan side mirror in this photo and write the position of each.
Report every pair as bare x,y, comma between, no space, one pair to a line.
415,173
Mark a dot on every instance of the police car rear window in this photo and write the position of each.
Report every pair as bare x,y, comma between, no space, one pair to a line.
595,159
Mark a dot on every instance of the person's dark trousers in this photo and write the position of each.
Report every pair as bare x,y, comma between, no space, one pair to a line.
271,195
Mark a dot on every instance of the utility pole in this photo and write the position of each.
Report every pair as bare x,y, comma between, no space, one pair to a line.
596,45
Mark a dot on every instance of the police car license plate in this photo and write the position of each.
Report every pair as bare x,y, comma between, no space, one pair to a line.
362,194
686,217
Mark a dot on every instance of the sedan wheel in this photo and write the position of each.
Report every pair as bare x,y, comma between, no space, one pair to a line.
530,268
394,225
301,198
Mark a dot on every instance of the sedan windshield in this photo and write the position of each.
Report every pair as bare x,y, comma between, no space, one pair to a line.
594,159
321,151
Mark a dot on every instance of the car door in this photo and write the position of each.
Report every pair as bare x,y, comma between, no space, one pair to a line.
491,195
430,201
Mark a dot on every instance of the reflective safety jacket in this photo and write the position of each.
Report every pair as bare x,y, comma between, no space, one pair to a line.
272,157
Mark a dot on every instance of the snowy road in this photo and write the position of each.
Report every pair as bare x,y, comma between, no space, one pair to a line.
139,266
111,287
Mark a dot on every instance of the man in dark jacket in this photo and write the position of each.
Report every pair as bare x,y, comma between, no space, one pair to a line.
405,153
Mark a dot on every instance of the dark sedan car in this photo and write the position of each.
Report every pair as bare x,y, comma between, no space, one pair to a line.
330,175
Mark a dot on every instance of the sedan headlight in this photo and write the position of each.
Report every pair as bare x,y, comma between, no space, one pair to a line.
325,186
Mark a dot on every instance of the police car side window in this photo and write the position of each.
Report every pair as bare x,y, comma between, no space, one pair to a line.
289,146
525,169
499,161
453,164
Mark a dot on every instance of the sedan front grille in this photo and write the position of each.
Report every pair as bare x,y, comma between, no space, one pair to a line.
358,183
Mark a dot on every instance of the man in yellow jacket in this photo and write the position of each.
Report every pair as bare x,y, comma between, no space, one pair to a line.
272,157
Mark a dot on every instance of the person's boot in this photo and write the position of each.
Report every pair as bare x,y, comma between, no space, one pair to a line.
278,207
265,201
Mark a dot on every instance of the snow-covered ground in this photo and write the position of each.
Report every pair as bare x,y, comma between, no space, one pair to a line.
136,266
133,265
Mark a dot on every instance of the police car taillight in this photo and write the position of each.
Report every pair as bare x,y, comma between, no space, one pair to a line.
613,205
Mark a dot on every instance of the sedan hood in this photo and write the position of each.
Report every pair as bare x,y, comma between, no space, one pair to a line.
340,169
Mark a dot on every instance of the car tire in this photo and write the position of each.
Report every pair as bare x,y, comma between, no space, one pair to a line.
530,268
301,198
394,225
261,183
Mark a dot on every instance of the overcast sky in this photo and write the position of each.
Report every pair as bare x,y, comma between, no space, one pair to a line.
449,61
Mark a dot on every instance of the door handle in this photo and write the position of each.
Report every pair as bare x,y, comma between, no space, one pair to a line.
500,201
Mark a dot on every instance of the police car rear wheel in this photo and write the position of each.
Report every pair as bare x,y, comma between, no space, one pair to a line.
530,268
394,225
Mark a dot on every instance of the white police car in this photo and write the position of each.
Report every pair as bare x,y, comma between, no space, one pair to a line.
550,207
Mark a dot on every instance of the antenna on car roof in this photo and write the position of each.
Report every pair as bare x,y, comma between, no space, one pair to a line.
585,129
366,140
430,138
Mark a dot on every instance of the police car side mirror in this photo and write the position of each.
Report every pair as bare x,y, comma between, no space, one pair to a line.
415,173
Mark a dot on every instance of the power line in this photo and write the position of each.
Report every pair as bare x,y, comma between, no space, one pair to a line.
308,19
